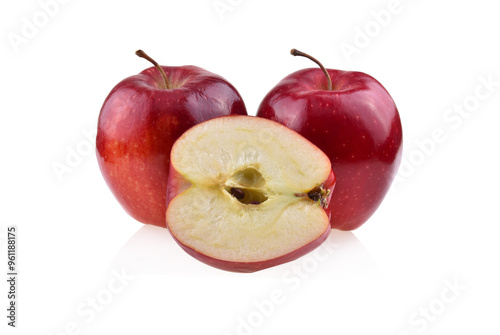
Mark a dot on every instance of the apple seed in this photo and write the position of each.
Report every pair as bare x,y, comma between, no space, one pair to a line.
237,193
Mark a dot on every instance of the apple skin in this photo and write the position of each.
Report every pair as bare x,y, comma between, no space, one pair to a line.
356,124
178,184
140,121
248,267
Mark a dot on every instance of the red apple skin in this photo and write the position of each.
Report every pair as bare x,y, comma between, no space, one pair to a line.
329,185
178,184
356,124
138,124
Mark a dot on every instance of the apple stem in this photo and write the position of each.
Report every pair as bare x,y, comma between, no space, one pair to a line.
142,54
296,52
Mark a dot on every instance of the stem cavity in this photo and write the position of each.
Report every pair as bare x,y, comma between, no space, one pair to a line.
142,54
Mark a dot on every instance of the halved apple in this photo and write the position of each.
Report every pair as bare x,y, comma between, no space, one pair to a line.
247,193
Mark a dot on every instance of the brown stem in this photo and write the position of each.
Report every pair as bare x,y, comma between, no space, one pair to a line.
142,54
296,52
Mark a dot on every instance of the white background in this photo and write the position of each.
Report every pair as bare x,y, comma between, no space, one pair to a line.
437,228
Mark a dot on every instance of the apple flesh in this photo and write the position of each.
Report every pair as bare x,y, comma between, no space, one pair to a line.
355,123
139,122
246,193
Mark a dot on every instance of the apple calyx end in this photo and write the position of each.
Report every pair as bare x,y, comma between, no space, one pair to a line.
317,194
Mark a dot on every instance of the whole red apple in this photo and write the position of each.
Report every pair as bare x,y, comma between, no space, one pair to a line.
354,120
141,119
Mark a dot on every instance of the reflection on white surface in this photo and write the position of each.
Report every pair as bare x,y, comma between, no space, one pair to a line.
152,250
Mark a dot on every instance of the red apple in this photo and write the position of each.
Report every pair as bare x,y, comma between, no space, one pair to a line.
353,119
246,193
141,119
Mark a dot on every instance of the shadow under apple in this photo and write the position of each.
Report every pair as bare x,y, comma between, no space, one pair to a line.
152,250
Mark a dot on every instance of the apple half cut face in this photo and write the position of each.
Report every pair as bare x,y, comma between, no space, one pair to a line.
247,193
